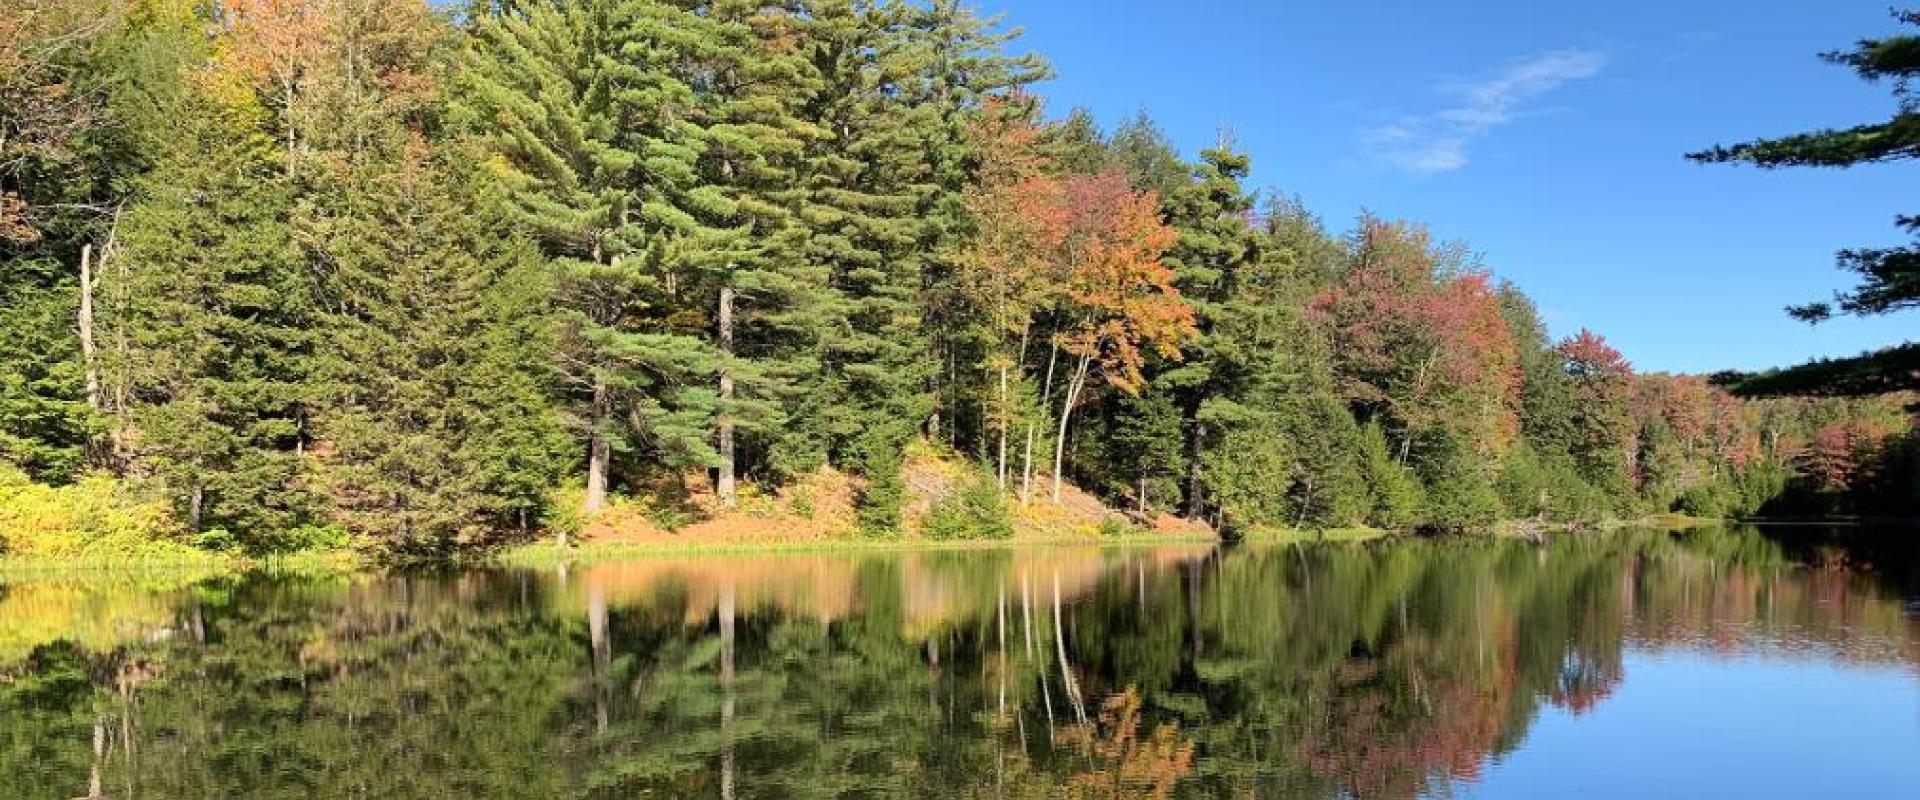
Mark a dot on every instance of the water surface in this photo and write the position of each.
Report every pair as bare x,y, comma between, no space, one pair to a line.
1720,662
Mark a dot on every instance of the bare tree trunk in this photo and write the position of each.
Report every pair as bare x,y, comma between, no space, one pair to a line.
86,327
1066,412
724,482
1026,468
599,450
1002,425
196,502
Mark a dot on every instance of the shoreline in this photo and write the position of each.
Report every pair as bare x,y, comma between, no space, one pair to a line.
543,554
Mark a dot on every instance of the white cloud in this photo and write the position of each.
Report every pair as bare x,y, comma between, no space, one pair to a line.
1438,142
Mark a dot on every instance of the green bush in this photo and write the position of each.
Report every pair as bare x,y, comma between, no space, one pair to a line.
877,511
1550,487
307,539
1710,500
976,510
1460,491
1396,494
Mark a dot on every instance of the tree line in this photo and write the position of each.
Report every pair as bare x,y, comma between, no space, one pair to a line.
304,269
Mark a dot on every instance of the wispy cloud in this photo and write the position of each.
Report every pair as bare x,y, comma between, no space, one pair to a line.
1438,142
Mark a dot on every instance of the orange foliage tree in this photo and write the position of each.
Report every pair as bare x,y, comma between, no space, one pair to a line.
333,67
1119,299
1020,222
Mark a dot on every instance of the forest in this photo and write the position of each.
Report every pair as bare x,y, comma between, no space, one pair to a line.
279,275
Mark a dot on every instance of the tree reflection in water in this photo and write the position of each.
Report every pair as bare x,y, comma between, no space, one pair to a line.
1389,670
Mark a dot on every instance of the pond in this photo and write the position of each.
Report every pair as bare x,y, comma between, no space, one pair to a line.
1717,662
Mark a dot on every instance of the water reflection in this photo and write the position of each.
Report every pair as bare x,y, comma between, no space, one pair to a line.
1391,670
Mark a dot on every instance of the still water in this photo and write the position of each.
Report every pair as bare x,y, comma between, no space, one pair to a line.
1731,662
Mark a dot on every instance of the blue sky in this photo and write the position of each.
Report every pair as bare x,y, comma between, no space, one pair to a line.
1546,135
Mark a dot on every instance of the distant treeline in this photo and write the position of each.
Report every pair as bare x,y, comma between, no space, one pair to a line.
306,269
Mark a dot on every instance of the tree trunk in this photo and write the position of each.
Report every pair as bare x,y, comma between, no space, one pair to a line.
1026,468
1196,505
1066,412
195,506
724,480
1002,425
599,450
86,327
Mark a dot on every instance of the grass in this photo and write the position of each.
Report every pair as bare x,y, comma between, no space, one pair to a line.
546,554
1328,535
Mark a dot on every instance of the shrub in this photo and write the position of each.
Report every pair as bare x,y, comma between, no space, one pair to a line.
877,511
1460,493
976,510
1395,492
1549,487
95,516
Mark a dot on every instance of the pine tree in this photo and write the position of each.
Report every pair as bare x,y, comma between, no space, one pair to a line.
1209,211
45,422
595,157
766,298
220,322
866,176
1891,276
434,366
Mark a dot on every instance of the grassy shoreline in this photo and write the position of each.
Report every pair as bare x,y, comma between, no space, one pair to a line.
547,554
542,554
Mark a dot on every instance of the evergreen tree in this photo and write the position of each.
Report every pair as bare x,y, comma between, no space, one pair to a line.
766,299
1397,498
45,422
595,152
867,177
220,323
1891,276
435,367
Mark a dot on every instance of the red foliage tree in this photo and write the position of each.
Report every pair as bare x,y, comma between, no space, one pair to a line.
1829,462
1419,334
